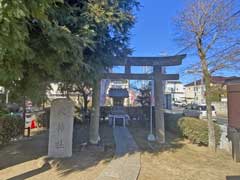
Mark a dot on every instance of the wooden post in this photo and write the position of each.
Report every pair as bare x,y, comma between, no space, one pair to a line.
127,69
159,111
28,131
124,122
114,122
233,88
236,146
94,137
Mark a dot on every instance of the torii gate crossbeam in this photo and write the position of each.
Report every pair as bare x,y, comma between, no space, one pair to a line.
157,63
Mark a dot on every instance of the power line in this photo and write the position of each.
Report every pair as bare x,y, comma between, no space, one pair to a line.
184,49
223,50
187,47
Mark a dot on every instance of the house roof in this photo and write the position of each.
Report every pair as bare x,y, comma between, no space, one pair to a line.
233,81
214,80
118,93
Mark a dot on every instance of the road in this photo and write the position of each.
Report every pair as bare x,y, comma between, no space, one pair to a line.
222,120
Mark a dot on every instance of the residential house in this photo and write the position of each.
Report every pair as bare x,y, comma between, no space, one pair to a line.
195,91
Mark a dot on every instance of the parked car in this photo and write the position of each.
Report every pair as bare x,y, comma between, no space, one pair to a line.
180,103
198,111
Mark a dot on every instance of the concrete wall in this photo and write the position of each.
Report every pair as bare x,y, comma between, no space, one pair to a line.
221,108
225,144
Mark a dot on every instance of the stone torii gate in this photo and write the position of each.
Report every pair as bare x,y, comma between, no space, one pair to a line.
157,63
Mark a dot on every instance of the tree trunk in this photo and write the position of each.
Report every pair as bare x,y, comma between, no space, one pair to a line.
94,137
207,78
85,106
67,95
211,130
85,103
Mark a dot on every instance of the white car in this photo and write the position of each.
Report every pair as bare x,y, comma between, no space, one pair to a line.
198,111
180,103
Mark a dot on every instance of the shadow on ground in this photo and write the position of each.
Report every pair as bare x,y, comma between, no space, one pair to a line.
85,155
233,177
24,150
173,157
140,134
31,173
179,159
31,154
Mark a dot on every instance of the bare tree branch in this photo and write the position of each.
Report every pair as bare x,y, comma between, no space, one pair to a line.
211,29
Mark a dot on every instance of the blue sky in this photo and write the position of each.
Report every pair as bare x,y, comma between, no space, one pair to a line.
153,34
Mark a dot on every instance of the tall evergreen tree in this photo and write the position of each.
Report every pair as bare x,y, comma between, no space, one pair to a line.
66,41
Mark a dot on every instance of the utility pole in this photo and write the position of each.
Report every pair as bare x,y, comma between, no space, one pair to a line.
195,90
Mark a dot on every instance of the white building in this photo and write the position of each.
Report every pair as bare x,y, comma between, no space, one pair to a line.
2,91
195,91
176,89
55,93
2,95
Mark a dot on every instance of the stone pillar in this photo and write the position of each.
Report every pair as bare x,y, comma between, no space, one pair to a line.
94,137
61,128
159,100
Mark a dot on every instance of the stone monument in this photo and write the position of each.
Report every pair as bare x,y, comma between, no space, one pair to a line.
61,128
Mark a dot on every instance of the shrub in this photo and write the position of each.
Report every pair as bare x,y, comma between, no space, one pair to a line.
10,127
39,121
3,110
196,130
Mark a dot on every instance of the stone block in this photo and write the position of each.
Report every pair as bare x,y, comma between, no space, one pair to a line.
61,128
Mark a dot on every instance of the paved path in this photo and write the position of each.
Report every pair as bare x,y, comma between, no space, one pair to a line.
126,164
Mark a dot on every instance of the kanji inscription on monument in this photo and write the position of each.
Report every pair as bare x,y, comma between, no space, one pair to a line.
61,128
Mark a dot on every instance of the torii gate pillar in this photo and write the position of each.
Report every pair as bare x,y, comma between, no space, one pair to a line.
159,107
157,63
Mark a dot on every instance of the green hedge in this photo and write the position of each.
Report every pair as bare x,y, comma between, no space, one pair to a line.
10,127
3,111
196,130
